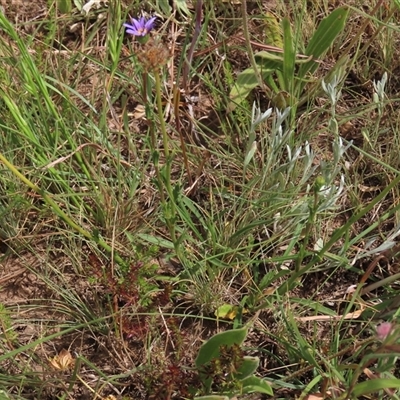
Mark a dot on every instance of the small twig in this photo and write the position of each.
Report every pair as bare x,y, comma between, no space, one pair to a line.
79,148
13,275
253,43
197,30
167,330
387,255
177,96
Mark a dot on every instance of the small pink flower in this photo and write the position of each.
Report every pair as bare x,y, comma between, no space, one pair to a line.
384,330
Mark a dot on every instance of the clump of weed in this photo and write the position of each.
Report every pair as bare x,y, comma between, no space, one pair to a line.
134,284
168,373
8,333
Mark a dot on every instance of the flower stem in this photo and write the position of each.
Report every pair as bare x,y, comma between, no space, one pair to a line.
171,212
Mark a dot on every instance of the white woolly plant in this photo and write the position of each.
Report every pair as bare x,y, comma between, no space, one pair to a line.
290,171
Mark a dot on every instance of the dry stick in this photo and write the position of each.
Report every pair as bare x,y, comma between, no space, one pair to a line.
253,43
186,79
177,97
383,282
12,275
197,29
386,255
79,148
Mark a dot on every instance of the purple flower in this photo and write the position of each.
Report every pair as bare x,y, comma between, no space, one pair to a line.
140,27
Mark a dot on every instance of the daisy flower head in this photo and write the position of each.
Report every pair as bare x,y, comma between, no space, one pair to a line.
140,27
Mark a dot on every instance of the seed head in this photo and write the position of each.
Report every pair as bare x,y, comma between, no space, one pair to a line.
153,55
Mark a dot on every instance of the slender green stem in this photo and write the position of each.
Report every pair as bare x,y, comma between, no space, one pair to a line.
153,139
167,177
162,125
309,225
179,129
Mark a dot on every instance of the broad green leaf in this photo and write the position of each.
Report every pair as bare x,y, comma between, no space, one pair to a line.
270,60
247,368
289,57
210,349
182,6
79,4
212,397
270,82
253,384
375,385
250,153
327,31
4,395
164,7
263,56
247,79
323,38
64,6
227,311
245,83
282,100
159,241
273,31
